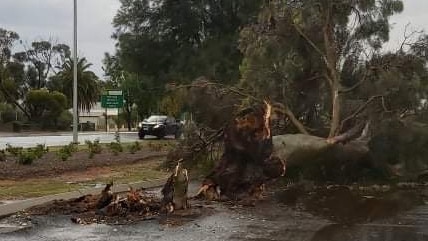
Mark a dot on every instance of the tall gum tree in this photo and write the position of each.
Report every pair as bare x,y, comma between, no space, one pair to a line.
322,40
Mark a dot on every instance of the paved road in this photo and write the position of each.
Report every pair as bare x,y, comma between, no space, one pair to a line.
64,138
284,224
268,221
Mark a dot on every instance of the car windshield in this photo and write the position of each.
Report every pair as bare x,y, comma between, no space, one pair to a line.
156,118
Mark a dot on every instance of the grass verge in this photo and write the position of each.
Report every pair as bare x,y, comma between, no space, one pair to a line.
30,188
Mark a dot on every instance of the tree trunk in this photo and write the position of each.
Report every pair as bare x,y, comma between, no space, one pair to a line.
332,73
174,191
247,161
335,114
128,117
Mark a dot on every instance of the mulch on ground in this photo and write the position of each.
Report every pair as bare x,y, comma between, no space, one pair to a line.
50,164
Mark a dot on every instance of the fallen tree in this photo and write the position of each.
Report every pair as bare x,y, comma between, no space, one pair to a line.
356,152
396,150
247,162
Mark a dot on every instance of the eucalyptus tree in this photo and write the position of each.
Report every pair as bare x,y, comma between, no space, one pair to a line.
316,52
42,59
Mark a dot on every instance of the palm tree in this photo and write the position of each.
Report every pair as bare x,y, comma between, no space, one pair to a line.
88,84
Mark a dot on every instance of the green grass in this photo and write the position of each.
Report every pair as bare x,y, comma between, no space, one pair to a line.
47,186
34,188
132,173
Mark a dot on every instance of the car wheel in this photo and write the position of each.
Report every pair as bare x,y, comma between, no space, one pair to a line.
177,134
141,135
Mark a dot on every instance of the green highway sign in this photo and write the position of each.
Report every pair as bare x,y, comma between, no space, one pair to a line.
112,99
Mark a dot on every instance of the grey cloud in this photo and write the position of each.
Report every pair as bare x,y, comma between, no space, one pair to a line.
35,19
42,19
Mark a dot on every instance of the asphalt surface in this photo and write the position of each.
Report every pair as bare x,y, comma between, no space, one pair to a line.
269,220
244,224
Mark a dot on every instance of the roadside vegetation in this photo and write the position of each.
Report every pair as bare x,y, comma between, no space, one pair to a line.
120,174
38,171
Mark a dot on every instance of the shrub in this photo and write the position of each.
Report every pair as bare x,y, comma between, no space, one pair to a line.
13,150
39,150
134,147
116,147
2,156
66,151
26,158
63,153
94,147
8,114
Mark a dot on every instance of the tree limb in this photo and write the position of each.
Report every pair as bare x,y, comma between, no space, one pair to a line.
279,107
352,133
349,89
362,108
310,42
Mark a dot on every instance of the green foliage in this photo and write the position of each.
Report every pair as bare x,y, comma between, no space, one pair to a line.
39,150
7,112
2,155
115,148
193,40
64,120
13,150
7,38
12,74
41,58
88,85
301,51
93,147
172,104
45,106
134,147
66,151
26,157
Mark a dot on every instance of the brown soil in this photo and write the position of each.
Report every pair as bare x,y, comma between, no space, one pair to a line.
78,166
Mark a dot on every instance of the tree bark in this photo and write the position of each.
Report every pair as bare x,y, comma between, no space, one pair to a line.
247,161
128,117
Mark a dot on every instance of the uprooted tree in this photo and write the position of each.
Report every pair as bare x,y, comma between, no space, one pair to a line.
247,162
322,65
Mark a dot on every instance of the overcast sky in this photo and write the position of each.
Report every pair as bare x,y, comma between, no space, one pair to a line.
41,19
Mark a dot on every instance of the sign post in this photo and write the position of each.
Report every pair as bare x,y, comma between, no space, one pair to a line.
111,99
